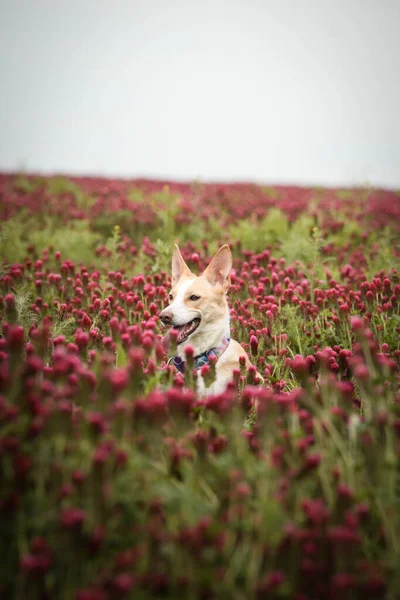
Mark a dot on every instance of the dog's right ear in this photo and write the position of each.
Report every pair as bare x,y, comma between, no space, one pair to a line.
219,269
179,267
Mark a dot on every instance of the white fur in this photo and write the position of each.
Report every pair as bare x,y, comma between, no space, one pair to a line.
181,313
221,381
206,336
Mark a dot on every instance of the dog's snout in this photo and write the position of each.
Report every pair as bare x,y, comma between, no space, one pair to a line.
166,317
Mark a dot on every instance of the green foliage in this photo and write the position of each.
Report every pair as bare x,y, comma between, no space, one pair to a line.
292,327
163,256
384,258
271,192
124,219
136,196
76,241
62,185
113,243
256,235
303,242
299,240
64,326
196,232
25,184
349,234
23,300
13,239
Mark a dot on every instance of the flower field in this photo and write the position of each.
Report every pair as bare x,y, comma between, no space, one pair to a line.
116,480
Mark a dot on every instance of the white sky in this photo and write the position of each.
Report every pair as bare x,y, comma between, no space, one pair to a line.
297,91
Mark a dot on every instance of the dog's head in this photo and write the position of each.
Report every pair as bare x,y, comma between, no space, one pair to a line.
198,303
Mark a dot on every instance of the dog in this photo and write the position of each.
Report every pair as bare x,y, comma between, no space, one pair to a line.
199,313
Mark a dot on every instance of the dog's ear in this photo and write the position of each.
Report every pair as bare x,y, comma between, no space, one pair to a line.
219,269
179,267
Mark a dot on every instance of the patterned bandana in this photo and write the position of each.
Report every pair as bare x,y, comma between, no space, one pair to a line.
202,359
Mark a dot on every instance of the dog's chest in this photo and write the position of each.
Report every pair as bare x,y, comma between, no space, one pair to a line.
224,373
216,388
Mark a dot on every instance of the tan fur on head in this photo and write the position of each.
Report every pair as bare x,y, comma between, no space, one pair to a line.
211,305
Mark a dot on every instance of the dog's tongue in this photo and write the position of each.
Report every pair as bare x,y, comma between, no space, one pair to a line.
166,341
183,331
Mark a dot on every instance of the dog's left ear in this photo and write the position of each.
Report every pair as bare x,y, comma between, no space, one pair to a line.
219,269
179,267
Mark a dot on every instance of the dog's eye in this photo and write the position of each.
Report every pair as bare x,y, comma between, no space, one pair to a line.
170,296
194,297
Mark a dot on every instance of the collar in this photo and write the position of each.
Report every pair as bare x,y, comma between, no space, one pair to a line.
202,359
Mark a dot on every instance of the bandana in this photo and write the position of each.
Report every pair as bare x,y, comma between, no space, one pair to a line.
202,359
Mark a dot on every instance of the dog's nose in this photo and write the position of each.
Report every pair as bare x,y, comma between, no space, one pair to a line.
166,317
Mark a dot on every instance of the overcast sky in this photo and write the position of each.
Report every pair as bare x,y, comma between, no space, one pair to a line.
298,91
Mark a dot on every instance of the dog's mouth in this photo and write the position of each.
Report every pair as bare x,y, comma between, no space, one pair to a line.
185,330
